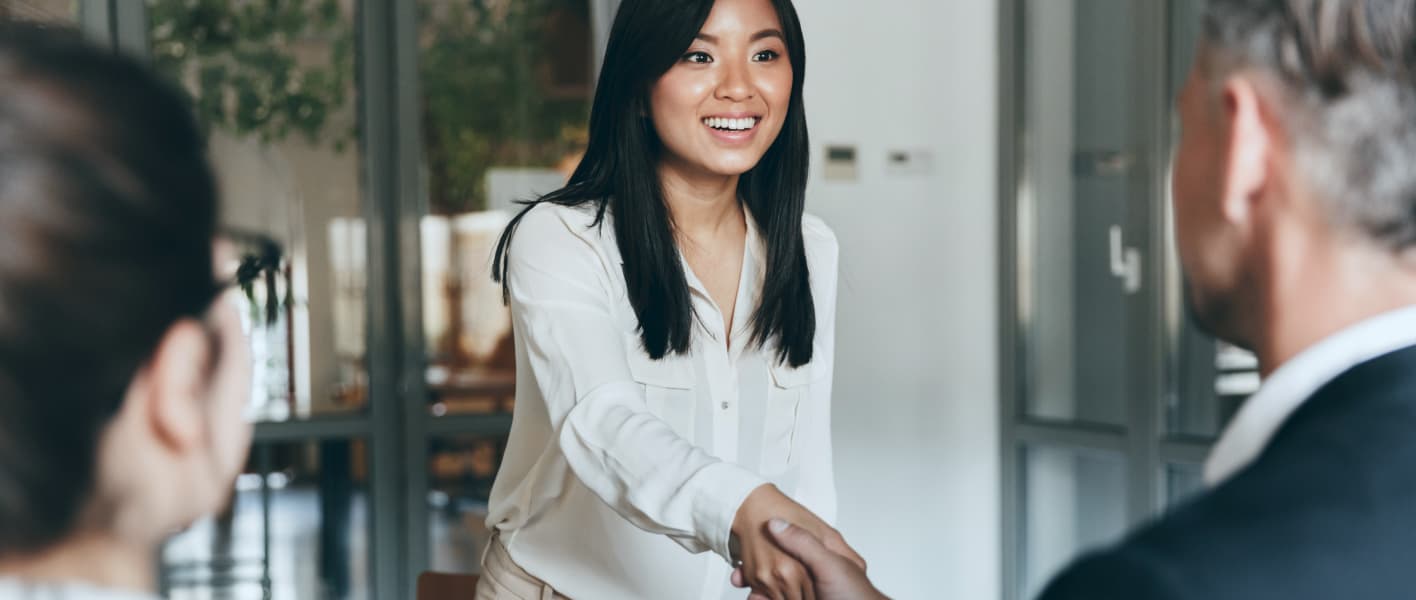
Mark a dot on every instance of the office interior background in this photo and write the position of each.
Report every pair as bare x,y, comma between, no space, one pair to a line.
1016,380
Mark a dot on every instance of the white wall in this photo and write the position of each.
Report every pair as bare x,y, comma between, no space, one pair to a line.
916,426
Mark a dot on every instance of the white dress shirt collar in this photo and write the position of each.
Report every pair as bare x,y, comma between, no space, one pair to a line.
1297,380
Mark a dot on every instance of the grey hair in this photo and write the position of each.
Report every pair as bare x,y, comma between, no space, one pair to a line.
1345,73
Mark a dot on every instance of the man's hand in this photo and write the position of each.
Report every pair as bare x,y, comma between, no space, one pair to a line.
836,577
770,571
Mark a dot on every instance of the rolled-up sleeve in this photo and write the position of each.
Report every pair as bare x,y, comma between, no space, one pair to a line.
635,462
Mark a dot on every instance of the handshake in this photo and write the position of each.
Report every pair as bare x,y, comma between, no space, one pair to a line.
786,552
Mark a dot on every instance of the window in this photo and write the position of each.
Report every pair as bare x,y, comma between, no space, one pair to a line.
374,150
526,66
274,87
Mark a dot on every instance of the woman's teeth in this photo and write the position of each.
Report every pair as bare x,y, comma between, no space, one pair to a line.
731,124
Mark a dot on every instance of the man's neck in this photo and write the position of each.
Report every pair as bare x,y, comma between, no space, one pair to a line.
1315,295
96,560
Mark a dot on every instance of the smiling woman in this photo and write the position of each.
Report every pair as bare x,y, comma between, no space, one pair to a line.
737,83
674,321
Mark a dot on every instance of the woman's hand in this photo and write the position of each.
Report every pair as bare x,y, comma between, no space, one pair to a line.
766,568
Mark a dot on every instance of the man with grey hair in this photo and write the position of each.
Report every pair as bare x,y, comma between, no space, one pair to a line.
1295,216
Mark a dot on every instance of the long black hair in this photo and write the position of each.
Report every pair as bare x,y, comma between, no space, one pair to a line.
620,174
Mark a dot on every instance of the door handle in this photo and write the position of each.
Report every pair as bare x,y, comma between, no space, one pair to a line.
1125,262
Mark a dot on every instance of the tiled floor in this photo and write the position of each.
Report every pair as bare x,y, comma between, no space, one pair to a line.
456,534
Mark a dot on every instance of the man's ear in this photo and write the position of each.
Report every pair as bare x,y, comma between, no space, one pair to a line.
1249,148
172,385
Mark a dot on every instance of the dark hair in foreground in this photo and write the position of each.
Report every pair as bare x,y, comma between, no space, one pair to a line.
107,212
1346,70
620,174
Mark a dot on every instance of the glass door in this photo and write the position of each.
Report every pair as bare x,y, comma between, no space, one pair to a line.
1111,396
1081,281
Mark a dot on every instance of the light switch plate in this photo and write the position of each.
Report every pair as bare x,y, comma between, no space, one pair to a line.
912,162
840,163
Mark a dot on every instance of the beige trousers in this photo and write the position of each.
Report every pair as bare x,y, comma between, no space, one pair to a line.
503,579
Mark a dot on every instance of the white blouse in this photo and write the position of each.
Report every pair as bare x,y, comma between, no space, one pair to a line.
622,471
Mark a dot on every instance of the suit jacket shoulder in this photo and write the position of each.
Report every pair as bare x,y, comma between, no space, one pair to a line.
1328,510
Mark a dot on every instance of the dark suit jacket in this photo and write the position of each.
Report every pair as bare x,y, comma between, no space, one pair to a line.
1327,511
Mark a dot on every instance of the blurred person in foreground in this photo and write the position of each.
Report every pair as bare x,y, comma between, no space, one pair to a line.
123,372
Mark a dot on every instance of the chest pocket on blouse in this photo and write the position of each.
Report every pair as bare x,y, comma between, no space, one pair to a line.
785,394
668,386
